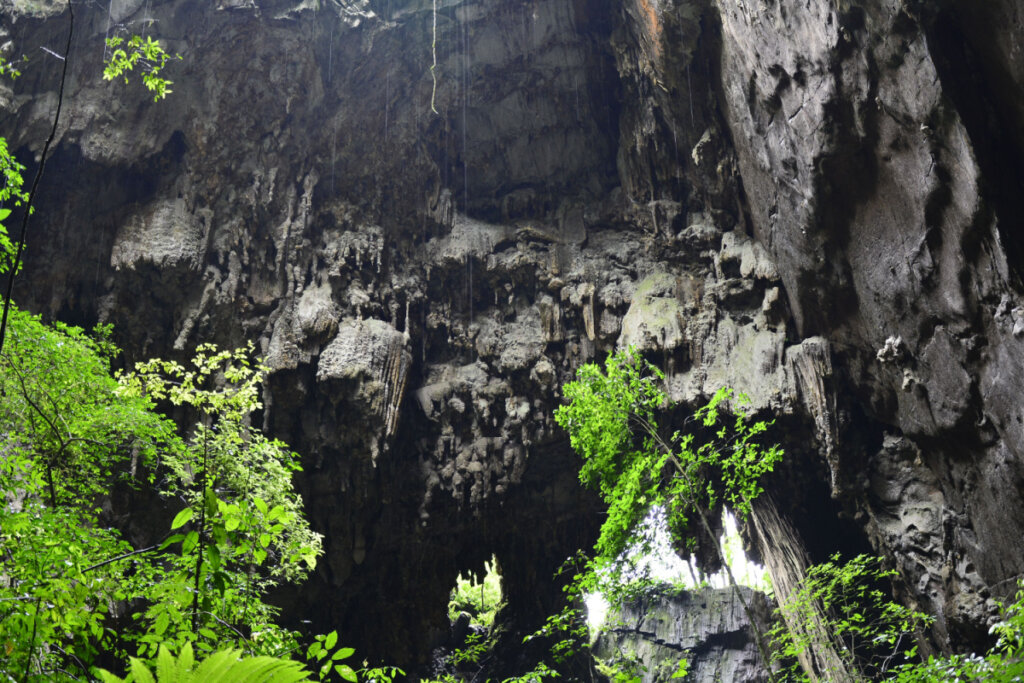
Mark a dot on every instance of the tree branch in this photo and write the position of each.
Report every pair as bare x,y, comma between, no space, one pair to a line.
35,181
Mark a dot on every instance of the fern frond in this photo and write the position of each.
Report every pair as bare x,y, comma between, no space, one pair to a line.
224,666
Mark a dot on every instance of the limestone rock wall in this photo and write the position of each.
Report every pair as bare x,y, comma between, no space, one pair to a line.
872,181
706,626
812,202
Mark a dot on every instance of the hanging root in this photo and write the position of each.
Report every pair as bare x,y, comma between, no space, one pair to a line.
433,67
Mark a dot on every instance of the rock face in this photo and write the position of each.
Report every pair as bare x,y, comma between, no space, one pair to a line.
706,626
426,231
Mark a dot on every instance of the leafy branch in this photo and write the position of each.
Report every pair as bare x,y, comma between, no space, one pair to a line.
145,53
612,420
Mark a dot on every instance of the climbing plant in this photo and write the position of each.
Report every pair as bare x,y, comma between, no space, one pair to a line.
873,634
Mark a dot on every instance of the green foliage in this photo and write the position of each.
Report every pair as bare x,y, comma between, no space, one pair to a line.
69,433
242,530
7,67
328,658
224,666
1002,664
611,417
538,674
474,650
622,668
616,675
66,437
379,674
11,192
876,633
145,53
872,632
480,599
682,668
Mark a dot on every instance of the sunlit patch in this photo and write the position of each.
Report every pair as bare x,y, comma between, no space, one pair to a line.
654,558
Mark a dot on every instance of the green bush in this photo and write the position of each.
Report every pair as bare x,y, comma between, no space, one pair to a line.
871,632
479,598
73,592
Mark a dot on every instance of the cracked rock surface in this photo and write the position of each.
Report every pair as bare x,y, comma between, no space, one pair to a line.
707,626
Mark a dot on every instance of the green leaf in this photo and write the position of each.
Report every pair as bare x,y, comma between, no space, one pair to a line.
182,518
190,542
346,672
161,623
139,672
331,640
213,556
343,653
165,665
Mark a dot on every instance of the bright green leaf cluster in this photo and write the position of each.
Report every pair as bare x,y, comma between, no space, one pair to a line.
328,660
612,419
242,530
480,599
874,633
69,434
11,193
67,438
145,53
225,666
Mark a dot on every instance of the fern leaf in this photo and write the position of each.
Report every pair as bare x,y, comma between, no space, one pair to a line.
187,658
167,669
224,666
139,672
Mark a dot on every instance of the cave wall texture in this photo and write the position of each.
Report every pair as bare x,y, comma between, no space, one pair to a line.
816,202
706,626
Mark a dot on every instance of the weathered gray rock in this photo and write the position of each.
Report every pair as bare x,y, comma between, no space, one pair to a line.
706,626
874,186
166,237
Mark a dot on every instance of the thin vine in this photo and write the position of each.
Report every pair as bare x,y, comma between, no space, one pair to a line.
433,67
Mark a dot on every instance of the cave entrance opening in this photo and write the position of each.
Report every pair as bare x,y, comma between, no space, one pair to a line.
478,595
656,559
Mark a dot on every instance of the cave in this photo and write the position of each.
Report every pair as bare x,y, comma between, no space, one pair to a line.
427,216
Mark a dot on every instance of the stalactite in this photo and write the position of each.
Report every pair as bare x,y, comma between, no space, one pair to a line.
588,312
395,376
